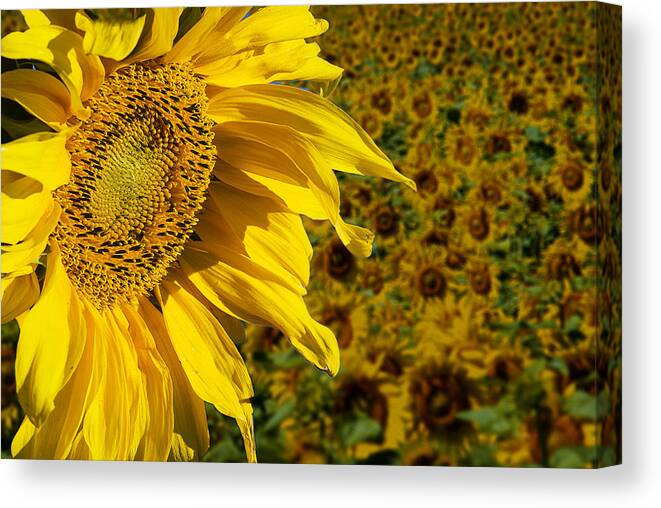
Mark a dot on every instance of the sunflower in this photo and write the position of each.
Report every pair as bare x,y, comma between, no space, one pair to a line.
461,147
571,179
159,204
492,184
436,395
563,260
423,275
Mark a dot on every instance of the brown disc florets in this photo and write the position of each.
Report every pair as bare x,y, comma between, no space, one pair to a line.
140,167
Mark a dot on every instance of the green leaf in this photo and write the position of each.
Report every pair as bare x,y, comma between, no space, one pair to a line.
573,324
575,457
279,415
288,359
607,456
499,420
225,451
533,133
583,405
361,430
559,365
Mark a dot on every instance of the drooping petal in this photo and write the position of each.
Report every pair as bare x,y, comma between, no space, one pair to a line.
24,202
116,419
17,257
155,445
210,359
340,140
63,51
247,429
157,36
191,438
51,342
281,154
41,94
110,39
233,284
213,19
18,295
42,156
54,438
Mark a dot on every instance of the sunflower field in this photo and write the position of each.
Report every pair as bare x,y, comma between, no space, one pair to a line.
485,327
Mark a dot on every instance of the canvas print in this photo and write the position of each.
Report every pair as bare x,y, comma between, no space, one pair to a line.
362,234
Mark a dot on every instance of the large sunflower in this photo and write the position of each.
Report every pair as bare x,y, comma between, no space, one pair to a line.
158,205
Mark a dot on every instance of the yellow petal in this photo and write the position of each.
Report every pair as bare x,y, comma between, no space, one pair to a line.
210,359
54,438
23,438
41,94
18,295
60,17
79,449
340,140
248,432
63,51
157,439
265,26
110,39
213,19
218,235
116,419
24,202
279,151
234,327
15,258
158,34
236,370
51,342
35,17
191,439
281,61
180,451
296,196
357,239
265,231
233,284
42,156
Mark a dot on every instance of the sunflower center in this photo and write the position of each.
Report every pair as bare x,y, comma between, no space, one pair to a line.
140,167
431,282
572,178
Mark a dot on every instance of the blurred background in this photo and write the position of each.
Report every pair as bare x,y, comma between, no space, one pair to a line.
485,328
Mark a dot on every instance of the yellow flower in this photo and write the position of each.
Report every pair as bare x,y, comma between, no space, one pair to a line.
563,260
483,284
571,179
492,184
461,147
163,195
436,393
